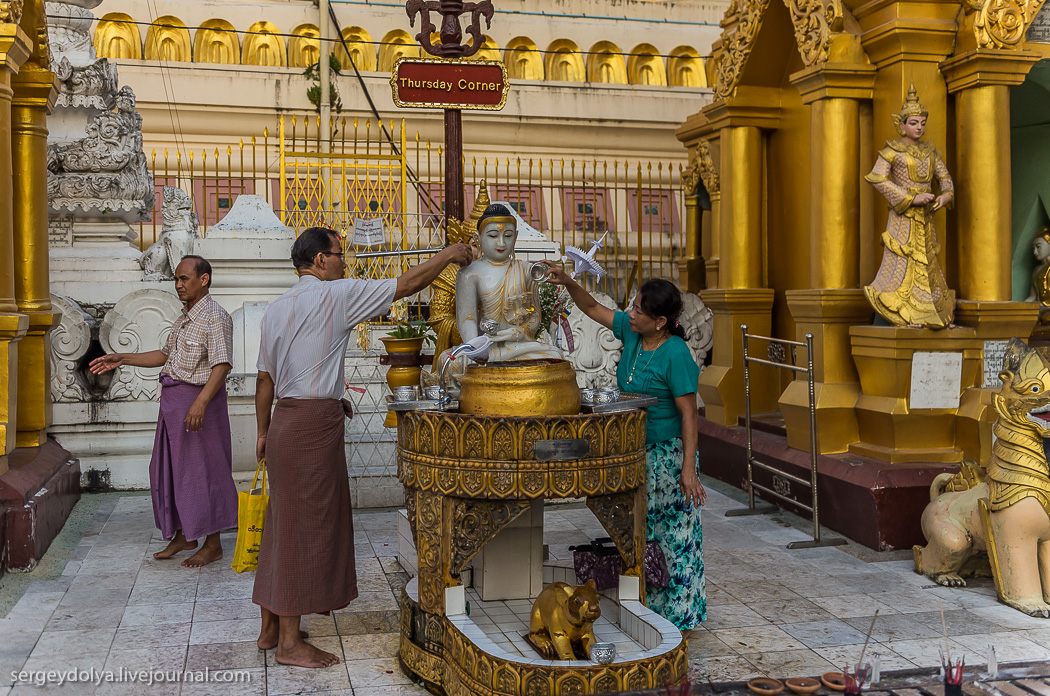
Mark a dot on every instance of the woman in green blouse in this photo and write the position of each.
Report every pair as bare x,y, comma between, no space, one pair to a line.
656,361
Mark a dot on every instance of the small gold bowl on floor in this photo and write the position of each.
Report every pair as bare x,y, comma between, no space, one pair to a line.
764,686
803,685
836,681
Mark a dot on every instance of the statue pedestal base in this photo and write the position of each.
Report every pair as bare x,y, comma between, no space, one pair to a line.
875,503
907,410
36,496
722,383
828,314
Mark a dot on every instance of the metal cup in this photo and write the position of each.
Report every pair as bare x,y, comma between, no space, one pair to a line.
433,392
611,393
587,396
408,393
603,653
539,272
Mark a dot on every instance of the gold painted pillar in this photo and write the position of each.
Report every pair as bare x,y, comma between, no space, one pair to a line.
834,92
34,97
741,297
691,267
980,79
710,240
14,50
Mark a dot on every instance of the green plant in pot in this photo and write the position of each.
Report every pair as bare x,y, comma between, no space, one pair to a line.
403,346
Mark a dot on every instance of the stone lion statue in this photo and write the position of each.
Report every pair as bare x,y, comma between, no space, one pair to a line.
179,232
1005,510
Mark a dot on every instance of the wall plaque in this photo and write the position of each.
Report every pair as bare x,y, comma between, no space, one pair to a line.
1039,29
994,352
936,380
561,450
449,84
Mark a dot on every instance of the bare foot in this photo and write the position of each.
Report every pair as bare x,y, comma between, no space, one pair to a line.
305,655
179,543
206,555
268,639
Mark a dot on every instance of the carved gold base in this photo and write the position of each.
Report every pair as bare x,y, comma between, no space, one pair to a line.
13,328
828,314
447,661
722,383
890,428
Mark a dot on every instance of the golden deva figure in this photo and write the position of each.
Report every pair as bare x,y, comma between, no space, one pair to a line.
909,289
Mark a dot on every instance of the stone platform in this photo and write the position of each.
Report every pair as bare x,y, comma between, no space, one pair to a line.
37,493
872,502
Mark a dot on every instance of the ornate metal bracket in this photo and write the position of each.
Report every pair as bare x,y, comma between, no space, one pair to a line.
450,10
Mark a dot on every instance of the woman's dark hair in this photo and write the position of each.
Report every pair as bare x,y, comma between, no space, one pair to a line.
310,243
660,298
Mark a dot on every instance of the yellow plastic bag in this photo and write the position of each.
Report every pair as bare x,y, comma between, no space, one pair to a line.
251,515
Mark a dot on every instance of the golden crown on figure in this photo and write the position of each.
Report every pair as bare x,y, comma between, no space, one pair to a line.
911,107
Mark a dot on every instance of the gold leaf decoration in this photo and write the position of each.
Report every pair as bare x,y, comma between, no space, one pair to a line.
10,11
737,41
1001,23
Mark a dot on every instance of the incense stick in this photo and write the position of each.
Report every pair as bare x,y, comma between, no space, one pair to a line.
944,627
860,662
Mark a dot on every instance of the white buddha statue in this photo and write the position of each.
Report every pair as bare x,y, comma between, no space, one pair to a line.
495,294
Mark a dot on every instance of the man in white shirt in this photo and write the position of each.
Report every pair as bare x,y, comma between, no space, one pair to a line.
306,559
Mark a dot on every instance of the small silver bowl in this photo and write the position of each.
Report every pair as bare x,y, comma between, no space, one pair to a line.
408,393
587,396
606,396
603,653
539,272
433,392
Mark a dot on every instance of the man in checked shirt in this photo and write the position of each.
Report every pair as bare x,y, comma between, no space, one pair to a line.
191,471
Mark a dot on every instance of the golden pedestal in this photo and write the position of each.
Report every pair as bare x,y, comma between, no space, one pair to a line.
467,477
828,314
889,428
12,328
34,379
722,383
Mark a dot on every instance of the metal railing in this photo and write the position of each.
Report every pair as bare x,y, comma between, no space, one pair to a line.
781,346
379,169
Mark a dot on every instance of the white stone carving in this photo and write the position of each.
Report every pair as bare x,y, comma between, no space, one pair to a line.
698,322
179,232
92,86
68,28
70,340
138,323
105,172
597,351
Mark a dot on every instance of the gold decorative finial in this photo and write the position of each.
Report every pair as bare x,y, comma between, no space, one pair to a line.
911,107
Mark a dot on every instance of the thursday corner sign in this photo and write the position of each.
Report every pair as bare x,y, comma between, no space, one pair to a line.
449,84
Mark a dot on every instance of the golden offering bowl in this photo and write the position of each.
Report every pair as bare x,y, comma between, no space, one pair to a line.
545,387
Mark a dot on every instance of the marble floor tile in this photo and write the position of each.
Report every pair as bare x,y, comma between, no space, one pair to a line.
789,663
1008,617
378,646
784,611
896,627
960,622
228,631
823,634
367,674
923,653
166,658
733,615
844,655
851,606
225,609
243,655
153,614
757,639
704,644
221,591
284,679
58,643
728,668
99,616
1009,647
157,636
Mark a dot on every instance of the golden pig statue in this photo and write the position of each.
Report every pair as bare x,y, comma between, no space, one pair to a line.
560,627
1005,510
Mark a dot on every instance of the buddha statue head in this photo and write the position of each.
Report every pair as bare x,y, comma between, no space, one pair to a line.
1041,245
497,232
